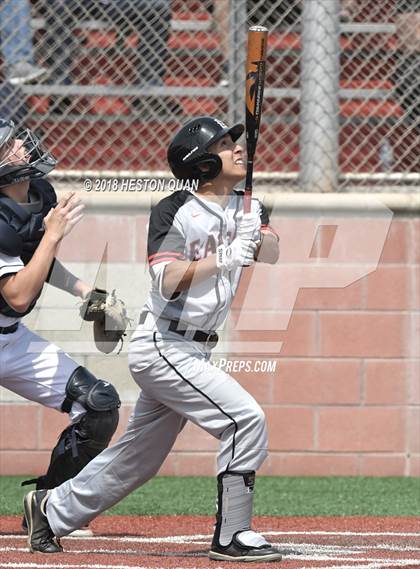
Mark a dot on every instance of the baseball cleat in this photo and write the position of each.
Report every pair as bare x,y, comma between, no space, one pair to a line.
40,535
237,550
84,531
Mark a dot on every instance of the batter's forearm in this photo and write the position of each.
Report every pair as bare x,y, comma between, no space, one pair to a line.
179,275
268,251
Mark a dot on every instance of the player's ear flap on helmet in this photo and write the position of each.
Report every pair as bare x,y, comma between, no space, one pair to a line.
207,167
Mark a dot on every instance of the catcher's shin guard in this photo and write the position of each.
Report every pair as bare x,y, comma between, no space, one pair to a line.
80,442
233,539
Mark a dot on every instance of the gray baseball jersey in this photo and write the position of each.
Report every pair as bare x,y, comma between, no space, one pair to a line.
186,226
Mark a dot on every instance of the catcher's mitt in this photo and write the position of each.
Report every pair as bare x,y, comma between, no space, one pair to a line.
109,317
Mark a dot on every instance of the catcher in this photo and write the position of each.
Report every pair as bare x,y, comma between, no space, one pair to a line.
32,226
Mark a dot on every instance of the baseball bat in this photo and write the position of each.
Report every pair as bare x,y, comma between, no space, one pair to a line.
254,91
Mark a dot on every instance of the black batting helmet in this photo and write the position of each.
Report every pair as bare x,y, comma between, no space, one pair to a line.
189,148
37,162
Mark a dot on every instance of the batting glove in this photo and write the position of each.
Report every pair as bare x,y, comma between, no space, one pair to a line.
249,227
239,253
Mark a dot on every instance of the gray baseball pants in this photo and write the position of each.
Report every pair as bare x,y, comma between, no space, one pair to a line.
178,383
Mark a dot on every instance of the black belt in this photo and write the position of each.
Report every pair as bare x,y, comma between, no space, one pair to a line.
9,329
198,336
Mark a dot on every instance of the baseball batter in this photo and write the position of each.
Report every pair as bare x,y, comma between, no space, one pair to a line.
31,228
197,246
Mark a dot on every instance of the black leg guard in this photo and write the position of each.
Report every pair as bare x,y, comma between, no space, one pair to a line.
234,539
79,443
235,496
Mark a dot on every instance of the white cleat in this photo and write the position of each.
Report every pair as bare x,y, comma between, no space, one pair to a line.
84,531
238,550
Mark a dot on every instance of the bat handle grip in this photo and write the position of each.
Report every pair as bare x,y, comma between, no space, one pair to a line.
247,200
248,185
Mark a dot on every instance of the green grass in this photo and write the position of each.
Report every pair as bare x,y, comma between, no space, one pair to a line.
274,496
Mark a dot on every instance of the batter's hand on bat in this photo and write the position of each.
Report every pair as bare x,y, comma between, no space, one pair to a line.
61,219
240,253
250,226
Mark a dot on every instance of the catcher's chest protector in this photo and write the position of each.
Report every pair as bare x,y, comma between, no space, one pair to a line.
21,229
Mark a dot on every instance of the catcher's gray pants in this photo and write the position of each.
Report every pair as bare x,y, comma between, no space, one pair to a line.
178,384
36,369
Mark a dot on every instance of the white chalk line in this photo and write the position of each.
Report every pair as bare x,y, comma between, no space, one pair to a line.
350,548
374,565
308,550
301,547
181,539
322,554
74,566
356,533
96,551
367,564
199,537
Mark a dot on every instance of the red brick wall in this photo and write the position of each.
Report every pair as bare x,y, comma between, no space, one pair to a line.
346,393
345,397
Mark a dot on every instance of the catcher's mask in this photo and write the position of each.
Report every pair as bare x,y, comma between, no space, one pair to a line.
189,148
15,166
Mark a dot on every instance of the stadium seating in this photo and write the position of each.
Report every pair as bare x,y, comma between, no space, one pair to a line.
365,82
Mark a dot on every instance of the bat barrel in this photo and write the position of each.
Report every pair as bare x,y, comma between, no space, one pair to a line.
255,75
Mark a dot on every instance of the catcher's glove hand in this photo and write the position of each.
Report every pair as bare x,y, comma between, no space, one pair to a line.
109,317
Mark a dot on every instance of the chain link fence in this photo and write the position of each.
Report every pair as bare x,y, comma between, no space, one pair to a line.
108,82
